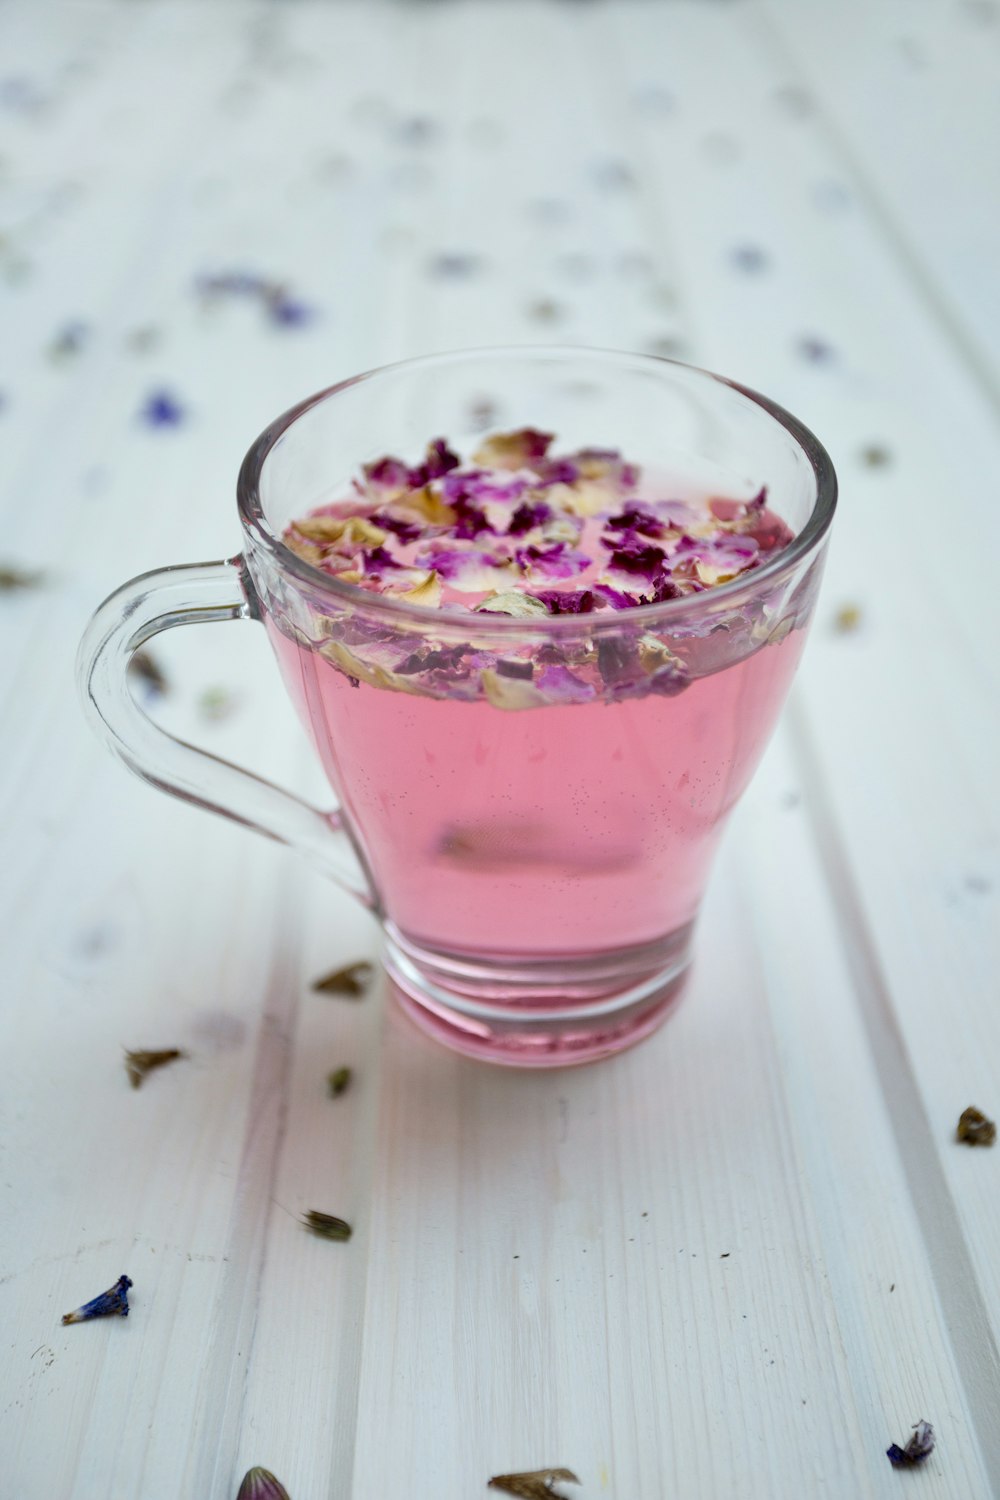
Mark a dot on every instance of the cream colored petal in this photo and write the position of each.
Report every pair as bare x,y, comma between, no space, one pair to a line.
510,692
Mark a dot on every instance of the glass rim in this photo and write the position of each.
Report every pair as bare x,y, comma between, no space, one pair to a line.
253,520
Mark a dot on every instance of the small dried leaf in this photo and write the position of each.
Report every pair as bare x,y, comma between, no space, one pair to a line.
260,1484
326,1225
13,578
138,1064
148,671
338,1081
352,980
847,619
536,1484
216,703
974,1128
920,1446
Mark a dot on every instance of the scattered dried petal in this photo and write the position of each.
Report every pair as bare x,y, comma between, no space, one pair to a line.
146,669
847,619
535,1484
513,450
260,1484
920,1446
70,340
974,1128
161,409
216,703
13,578
338,1081
567,601
326,1225
113,1302
352,979
138,1064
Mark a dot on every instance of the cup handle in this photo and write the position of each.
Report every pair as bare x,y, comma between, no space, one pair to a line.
193,594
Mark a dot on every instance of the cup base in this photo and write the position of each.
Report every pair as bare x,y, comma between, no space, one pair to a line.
504,1016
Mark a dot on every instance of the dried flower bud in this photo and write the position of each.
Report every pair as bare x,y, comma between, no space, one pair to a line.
326,1226
260,1484
974,1128
534,1485
110,1303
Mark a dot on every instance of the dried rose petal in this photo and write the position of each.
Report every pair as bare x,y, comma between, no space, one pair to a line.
522,449
567,601
527,516
560,685
560,560
496,534
469,570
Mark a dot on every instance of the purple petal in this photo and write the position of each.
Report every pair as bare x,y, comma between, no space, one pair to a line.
406,531
470,521
559,471
162,410
566,601
439,460
454,564
387,473
615,597
558,561
376,561
527,516
643,559
637,518
288,312
562,685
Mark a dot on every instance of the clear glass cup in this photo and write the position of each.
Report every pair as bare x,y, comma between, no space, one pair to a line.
529,806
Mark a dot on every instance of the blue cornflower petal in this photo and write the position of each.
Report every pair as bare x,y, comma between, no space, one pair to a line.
108,1304
162,410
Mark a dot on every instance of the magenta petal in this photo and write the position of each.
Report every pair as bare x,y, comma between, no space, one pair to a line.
388,473
560,560
615,597
566,601
562,686
527,516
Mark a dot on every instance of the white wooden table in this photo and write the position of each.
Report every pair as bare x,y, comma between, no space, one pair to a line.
744,1257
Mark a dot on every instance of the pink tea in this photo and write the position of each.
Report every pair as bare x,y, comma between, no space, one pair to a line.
524,796
560,830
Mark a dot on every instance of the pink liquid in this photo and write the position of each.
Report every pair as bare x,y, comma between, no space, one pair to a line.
563,830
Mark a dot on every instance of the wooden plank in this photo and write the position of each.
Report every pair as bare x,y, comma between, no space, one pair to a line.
898,718
910,94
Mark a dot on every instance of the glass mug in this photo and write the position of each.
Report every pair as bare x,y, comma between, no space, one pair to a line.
529,806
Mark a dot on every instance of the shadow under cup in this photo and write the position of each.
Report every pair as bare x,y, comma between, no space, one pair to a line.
535,804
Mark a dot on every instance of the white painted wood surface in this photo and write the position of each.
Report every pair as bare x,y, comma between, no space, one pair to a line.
743,1258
